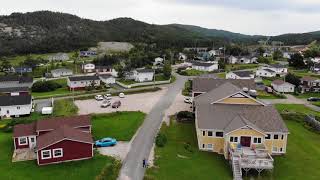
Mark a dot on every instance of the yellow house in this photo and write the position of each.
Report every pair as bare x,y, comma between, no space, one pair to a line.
246,131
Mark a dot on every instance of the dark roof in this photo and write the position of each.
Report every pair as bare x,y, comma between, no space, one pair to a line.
56,122
145,70
20,79
243,73
15,100
269,70
198,63
207,84
277,65
63,132
83,78
103,67
105,76
20,130
14,89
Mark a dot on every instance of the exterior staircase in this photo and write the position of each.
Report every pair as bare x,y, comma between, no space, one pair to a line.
237,173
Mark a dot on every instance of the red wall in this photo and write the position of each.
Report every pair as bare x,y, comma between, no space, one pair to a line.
77,88
16,141
72,150
84,128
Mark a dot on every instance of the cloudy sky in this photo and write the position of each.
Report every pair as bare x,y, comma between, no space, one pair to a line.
267,17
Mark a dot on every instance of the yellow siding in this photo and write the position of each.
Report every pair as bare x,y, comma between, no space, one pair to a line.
268,144
239,101
246,132
218,143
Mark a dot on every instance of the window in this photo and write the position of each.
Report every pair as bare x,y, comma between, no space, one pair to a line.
209,146
18,107
203,145
203,133
281,150
23,141
219,134
276,136
268,136
274,149
233,139
257,140
46,154
210,133
32,139
282,136
57,153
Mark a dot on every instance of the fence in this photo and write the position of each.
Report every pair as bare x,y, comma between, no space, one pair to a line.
143,84
313,122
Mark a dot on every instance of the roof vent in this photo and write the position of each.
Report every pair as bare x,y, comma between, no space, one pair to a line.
253,93
245,89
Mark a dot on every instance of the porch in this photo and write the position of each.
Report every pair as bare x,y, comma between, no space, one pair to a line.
25,154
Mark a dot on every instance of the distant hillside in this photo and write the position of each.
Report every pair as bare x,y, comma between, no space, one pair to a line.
45,31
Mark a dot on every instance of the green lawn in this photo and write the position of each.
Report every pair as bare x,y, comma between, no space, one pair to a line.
187,88
304,72
307,95
192,72
65,107
127,81
265,95
296,108
221,75
161,77
29,170
267,82
119,125
174,161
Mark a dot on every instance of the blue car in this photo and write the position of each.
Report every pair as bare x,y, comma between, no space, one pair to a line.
106,142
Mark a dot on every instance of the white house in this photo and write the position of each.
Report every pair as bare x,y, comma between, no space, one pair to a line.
265,72
286,55
240,75
143,75
88,68
107,78
279,69
61,72
81,82
158,61
267,54
282,87
182,57
59,57
15,81
15,105
315,59
205,66
232,60
214,52
315,68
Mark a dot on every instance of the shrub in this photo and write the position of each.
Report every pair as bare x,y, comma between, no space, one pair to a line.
188,147
45,86
110,171
184,116
161,140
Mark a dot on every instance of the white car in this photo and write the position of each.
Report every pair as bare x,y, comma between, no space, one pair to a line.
121,95
107,96
188,100
105,104
99,97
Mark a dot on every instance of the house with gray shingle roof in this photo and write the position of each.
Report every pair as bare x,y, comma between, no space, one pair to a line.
232,123
240,75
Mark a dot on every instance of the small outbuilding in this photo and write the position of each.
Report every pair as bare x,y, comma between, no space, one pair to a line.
282,87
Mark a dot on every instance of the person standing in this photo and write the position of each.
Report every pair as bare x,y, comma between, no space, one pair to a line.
144,163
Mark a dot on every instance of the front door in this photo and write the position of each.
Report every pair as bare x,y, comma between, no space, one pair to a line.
32,142
245,141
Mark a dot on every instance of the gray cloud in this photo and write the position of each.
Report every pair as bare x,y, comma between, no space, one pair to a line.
305,6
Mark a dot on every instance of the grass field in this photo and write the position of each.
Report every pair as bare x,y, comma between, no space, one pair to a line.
161,77
127,81
192,72
221,75
296,108
307,95
265,95
119,125
302,73
65,107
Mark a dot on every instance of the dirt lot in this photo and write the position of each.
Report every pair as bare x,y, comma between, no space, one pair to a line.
136,102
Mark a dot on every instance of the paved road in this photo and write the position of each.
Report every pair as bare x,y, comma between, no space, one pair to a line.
142,144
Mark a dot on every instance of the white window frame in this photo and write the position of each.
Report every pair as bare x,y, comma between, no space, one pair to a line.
211,133
234,139
58,149
19,139
257,140
208,147
44,151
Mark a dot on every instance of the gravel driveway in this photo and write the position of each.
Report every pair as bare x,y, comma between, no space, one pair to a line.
136,102
118,151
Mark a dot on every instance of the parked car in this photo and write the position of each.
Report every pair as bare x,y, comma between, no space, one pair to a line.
105,104
99,97
121,95
313,99
107,96
268,89
188,100
116,104
106,142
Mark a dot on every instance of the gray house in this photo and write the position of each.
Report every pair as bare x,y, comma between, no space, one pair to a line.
61,72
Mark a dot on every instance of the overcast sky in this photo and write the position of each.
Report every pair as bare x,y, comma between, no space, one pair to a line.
266,17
